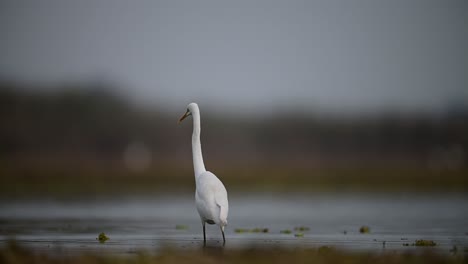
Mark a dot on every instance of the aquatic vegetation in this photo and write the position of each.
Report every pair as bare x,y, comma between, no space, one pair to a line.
102,237
241,230
301,228
299,235
287,231
364,230
254,230
421,243
424,243
181,227
259,230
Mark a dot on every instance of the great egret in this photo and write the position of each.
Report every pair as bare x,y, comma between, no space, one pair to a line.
210,194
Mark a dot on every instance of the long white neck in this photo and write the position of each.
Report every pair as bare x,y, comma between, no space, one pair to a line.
198,165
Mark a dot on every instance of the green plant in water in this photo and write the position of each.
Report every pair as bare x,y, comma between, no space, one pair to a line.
241,230
299,235
364,230
102,238
181,227
424,243
259,230
301,228
254,230
287,231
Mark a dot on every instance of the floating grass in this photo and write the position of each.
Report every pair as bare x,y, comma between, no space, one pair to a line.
102,238
301,228
181,227
241,230
287,231
259,230
254,230
299,235
425,243
364,230
421,243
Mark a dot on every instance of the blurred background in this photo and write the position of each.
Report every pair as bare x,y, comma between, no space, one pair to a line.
294,95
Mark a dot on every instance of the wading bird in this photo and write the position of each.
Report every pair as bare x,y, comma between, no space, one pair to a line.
210,194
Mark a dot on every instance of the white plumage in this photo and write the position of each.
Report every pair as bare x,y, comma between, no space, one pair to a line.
210,194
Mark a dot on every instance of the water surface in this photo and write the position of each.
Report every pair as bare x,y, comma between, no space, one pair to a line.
136,223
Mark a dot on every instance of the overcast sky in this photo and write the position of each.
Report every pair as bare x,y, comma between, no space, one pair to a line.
248,55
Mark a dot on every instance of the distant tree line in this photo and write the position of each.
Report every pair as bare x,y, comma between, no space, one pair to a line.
93,120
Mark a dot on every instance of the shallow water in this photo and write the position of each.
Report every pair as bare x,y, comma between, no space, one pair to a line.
149,223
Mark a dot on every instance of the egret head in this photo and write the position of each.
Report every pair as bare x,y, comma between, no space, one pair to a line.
192,107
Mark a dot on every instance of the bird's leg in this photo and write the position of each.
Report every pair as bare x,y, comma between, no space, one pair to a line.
224,239
204,235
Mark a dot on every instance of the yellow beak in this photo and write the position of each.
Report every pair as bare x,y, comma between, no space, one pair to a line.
184,116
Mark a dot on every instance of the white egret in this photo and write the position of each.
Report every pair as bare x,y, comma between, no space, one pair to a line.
210,194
